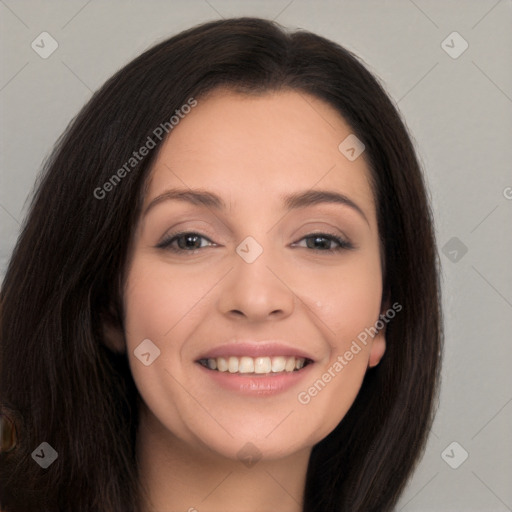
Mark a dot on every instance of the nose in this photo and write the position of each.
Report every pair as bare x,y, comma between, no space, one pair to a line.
258,291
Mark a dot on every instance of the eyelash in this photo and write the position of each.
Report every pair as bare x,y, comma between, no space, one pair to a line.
342,243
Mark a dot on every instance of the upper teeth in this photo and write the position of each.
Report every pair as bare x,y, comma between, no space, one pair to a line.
254,364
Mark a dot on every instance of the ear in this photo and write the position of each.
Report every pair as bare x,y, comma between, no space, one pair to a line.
379,341
378,349
112,330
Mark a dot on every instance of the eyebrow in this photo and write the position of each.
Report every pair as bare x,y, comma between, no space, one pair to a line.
291,202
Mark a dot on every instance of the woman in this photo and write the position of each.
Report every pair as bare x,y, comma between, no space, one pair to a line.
225,295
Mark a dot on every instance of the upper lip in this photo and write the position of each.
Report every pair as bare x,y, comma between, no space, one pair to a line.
255,349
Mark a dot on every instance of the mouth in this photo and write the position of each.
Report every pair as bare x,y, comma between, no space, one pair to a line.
256,366
260,369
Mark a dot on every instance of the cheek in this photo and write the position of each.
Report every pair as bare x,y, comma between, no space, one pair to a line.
152,310
162,305
159,303
156,299
348,305
347,312
349,302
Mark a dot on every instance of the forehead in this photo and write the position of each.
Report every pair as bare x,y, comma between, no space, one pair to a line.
250,149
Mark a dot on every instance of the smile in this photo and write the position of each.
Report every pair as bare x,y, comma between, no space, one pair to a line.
255,365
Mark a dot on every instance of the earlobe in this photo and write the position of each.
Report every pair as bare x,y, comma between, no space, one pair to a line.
379,341
378,349
112,332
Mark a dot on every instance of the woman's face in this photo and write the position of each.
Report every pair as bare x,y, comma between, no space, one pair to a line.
259,283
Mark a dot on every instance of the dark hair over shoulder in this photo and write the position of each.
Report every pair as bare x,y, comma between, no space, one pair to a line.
64,386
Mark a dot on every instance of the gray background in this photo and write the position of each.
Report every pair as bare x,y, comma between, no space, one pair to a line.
458,111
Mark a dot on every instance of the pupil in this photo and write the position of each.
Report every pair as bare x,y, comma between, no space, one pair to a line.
188,238
322,242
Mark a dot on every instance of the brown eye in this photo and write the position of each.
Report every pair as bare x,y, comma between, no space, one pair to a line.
187,241
322,242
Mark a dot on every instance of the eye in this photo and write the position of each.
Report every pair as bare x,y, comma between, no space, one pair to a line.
323,242
188,241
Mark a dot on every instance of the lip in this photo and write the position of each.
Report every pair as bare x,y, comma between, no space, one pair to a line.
256,384
256,349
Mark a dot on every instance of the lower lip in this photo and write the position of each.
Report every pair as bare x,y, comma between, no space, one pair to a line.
257,385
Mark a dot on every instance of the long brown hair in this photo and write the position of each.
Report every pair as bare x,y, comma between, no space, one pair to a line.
60,382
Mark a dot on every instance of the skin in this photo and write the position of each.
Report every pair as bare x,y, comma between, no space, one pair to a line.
249,150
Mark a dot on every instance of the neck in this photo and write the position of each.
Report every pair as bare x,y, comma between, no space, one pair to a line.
177,476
